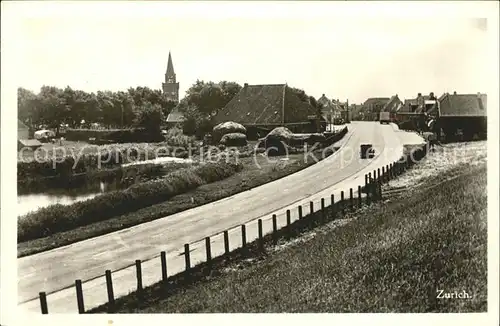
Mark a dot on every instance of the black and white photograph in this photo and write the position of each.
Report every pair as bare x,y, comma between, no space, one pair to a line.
269,158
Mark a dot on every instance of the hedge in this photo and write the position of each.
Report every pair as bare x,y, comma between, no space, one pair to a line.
114,135
57,218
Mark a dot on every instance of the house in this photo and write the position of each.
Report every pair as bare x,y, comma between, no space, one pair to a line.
23,137
261,108
23,132
373,106
331,109
393,106
465,112
174,117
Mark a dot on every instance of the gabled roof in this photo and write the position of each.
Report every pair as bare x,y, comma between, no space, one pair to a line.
21,125
265,105
393,105
473,105
175,116
380,101
170,66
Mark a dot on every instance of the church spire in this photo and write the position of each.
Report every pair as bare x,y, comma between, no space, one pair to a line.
170,66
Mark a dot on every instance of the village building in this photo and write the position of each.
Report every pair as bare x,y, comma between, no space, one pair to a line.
393,106
23,131
171,90
261,108
464,112
330,110
372,107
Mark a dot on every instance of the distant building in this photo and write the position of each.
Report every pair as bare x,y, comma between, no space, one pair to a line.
464,112
261,108
330,108
372,107
171,86
23,131
175,117
393,106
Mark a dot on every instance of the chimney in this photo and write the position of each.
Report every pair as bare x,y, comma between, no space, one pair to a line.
246,85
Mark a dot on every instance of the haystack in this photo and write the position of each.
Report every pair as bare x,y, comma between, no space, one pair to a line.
225,128
234,139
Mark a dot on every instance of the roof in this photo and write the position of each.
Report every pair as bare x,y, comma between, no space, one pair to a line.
393,105
265,105
175,116
170,66
375,101
21,125
329,106
464,105
29,142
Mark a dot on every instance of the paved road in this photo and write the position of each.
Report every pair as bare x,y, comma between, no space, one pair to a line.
54,271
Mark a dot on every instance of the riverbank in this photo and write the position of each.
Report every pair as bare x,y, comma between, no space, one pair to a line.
257,170
427,235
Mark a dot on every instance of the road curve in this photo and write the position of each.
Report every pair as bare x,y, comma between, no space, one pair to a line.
55,271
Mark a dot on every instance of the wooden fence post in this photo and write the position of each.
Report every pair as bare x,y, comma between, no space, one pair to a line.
334,206
342,202
351,198
243,236
379,176
163,257
300,212
208,250
359,197
109,286
311,207
187,257
226,242
43,303
261,237
275,229
79,296
374,174
288,223
139,274
323,211
383,174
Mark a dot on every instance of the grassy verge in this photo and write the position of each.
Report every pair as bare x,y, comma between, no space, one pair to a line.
251,176
392,257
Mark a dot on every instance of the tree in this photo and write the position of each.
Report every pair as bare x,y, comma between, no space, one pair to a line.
148,117
209,97
53,108
26,105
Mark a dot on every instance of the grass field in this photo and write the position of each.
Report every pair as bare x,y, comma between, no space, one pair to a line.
390,257
251,176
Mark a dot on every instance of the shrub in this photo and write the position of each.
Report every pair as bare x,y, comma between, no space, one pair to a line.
234,139
175,137
57,218
227,128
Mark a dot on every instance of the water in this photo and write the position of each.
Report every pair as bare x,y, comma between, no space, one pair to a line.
31,202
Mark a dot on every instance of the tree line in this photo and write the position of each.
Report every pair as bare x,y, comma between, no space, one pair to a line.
52,106
137,107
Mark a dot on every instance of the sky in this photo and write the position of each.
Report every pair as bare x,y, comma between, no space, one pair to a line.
324,48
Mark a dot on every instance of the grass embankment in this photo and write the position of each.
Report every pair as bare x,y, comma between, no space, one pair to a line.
256,171
392,257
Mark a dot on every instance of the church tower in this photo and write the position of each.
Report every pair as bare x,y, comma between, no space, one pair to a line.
171,86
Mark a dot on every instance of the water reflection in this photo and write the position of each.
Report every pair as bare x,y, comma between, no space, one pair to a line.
80,190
